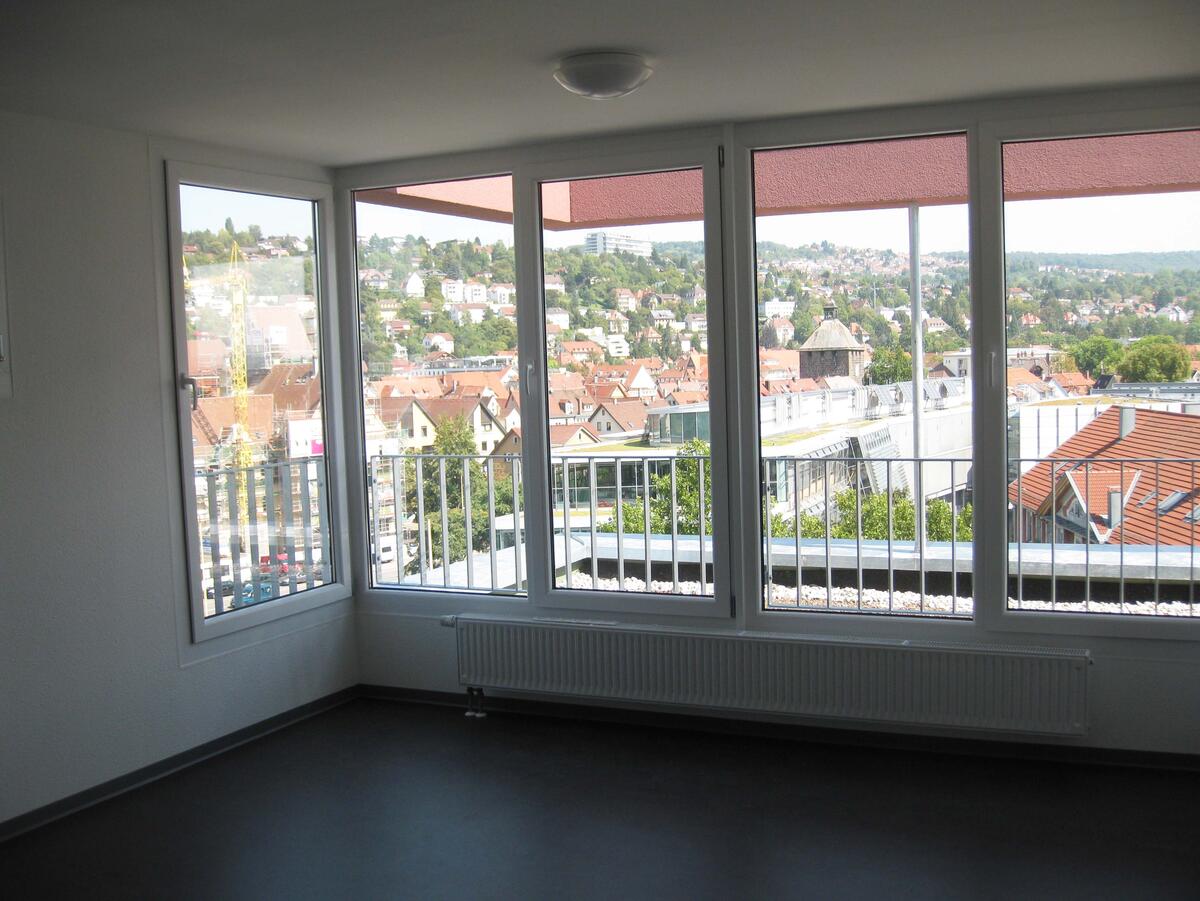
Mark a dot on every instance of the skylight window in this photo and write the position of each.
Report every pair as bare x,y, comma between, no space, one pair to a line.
1149,497
1193,515
1171,501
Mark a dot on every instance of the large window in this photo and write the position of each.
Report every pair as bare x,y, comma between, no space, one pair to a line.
1103,289
440,386
864,376
249,314
627,386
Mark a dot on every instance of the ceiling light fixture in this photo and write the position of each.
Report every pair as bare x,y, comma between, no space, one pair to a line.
602,75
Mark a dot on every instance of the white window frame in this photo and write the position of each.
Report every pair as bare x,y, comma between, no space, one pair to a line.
816,132
527,181
179,173
985,123
993,612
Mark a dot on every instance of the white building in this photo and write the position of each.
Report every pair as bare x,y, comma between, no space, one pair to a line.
617,346
558,316
414,286
452,290
501,293
474,292
610,242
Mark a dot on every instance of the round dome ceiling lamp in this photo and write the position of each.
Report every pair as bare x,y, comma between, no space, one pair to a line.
603,75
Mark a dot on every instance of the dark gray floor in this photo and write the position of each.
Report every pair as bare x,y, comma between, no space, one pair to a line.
381,799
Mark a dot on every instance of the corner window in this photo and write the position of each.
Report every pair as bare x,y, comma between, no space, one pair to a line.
438,335
250,337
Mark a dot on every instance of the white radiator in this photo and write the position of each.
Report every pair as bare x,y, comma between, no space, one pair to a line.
1035,690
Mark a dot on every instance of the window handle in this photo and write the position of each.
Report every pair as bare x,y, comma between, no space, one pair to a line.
186,382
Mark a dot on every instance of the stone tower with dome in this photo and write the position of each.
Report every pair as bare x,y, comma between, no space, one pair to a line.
831,350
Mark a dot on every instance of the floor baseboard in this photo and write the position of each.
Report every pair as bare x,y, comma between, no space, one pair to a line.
534,705
42,815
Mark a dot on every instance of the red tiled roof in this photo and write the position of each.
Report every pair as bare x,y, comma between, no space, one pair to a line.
1156,441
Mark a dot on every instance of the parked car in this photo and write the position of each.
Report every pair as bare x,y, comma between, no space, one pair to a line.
226,589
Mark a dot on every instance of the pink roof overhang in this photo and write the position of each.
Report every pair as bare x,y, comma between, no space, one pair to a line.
926,171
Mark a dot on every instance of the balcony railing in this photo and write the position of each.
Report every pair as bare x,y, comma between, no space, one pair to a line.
263,532
448,521
840,534
1097,535
843,534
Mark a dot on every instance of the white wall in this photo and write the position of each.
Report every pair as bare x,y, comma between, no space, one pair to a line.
96,674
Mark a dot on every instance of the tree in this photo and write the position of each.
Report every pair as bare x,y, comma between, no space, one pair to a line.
685,511
889,366
1097,355
1157,358
872,510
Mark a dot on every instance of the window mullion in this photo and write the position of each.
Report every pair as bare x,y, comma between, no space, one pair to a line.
990,577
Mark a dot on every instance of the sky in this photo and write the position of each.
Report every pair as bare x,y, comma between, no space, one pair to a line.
1147,222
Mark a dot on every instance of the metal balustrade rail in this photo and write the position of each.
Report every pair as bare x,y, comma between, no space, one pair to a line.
1104,535
263,532
839,534
450,521
843,534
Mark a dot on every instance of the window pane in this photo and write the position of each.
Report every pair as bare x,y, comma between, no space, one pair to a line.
867,499
1102,240
252,311
627,351
441,402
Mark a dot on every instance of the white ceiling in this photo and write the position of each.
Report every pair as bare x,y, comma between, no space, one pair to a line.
361,80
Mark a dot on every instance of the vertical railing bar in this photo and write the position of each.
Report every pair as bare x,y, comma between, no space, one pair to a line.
323,520
289,536
890,561
646,520
272,528
566,471
518,478
828,558
376,566
765,498
700,526
674,529
1192,545
920,526
620,504
445,518
858,530
1087,535
467,524
489,471
593,488
252,526
954,540
1157,519
235,536
423,549
1020,512
1053,534
306,512
1121,543
398,500
796,513
214,541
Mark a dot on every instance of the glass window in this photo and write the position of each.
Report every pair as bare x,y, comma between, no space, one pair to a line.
438,332
256,432
864,369
626,312
1103,286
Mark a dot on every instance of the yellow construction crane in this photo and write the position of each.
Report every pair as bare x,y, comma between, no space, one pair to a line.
239,436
